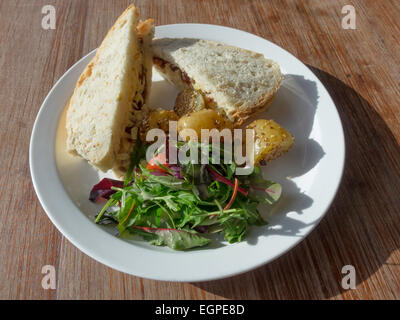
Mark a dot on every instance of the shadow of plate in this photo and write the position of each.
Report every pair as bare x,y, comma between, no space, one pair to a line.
360,228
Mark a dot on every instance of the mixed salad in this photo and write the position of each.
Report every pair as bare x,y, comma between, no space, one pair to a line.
181,205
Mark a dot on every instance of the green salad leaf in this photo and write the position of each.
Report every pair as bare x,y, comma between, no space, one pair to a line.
173,238
179,205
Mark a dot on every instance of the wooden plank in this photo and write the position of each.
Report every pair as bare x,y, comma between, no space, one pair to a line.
31,59
360,69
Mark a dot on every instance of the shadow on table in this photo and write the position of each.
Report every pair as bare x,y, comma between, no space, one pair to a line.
360,227
294,107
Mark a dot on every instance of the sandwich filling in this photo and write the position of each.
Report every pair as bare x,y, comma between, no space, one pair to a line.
173,72
137,112
179,77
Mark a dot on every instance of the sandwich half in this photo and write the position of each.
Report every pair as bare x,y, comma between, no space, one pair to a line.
236,82
111,95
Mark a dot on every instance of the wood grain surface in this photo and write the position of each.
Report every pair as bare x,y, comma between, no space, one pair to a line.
361,70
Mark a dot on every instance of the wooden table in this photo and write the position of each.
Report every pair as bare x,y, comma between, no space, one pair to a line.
361,70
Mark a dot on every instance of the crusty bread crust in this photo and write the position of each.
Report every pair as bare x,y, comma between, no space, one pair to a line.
145,27
87,72
234,81
146,33
242,116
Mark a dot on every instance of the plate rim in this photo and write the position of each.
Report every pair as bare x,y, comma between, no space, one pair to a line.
89,252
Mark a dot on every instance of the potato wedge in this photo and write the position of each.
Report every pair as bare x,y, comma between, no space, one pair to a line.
270,140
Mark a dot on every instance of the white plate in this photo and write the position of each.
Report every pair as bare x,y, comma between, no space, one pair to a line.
310,173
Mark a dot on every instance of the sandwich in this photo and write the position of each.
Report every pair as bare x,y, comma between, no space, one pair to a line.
235,82
111,94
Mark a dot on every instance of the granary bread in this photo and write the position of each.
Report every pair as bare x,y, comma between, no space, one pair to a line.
234,81
110,93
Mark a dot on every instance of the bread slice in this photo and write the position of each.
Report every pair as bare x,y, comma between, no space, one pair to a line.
112,88
235,81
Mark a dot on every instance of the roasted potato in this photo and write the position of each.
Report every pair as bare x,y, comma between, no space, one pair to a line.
203,119
188,101
157,119
270,140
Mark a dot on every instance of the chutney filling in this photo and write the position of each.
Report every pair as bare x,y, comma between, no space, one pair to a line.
138,111
163,65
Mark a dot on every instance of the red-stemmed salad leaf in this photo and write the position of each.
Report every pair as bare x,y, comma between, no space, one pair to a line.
103,189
